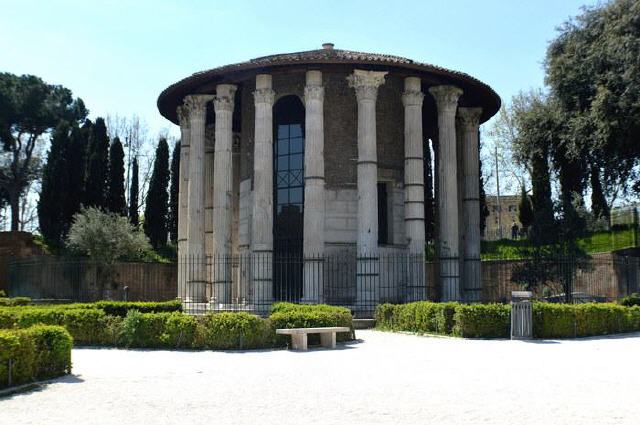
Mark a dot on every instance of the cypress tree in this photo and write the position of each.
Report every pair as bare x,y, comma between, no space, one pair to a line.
97,166
77,157
55,182
157,205
133,194
525,210
115,195
174,193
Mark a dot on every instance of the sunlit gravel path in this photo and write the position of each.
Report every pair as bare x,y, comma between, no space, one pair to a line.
383,379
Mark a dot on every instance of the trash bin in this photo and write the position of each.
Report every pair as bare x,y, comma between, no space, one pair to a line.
521,315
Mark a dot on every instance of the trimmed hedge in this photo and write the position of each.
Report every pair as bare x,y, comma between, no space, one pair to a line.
578,320
88,326
16,301
288,315
494,320
482,321
420,317
121,308
102,324
38,352
630,300
224,331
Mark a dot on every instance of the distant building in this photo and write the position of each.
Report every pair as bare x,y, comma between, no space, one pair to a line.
501,217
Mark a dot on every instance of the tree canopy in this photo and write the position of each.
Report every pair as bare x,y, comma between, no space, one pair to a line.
29,108
593,71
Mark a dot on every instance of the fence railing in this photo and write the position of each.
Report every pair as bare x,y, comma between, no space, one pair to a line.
252,282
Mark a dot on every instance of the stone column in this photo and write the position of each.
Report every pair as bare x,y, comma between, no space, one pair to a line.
183,200
413,165
448,244
222,196
414,187
366,85
262,216
196,105
314,208
469,122
209,158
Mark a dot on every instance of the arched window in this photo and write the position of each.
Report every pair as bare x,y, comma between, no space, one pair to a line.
288,196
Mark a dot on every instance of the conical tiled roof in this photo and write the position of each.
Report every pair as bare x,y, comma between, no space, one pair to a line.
477,92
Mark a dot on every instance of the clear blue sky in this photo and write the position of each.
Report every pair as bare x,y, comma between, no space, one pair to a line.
119,55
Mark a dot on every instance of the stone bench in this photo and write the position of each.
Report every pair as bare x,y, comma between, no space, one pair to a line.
299,336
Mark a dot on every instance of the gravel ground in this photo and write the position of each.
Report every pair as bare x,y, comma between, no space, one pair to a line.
383,379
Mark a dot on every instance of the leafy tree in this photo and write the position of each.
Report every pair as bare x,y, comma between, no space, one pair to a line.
593,69
537,133
106,237
95,194
29,108
115,196
174,194
525,210
133,194
157,202
55,178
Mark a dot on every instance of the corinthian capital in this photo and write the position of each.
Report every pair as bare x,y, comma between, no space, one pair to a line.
183,116
469,117
196,103
446,97
366,83
223,100
412,98
314,93
264,96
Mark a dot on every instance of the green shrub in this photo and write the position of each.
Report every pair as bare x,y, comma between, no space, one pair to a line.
120,308
311,316
482,320
157,330
38,352
3,294
16,301
234,331
87,326
630,300
420,317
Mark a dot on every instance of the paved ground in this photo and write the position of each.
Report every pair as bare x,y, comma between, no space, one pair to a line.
384,379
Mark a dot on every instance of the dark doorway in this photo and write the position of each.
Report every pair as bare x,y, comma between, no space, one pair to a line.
288,178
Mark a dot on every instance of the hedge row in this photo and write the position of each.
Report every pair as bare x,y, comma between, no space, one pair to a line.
494,320
16,301
92,326
38,352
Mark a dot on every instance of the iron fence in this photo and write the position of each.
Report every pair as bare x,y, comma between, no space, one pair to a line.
252,282
598,278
